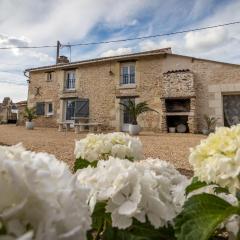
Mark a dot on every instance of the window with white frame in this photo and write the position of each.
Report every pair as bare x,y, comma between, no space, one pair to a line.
49,108
49,76
70,80
127,73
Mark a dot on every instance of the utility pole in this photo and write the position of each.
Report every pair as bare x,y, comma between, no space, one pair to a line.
58,48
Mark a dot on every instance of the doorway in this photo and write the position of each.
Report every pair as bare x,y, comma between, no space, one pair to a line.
231,109
126,118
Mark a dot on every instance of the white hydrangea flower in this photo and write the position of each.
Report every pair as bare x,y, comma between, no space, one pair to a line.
39,192
151,188
217,158
102,146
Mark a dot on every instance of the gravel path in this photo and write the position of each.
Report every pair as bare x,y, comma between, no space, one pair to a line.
171,147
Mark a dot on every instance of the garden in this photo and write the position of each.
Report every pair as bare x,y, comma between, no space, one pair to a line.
115,193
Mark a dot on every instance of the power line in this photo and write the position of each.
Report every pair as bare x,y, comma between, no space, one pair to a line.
124,40
154,36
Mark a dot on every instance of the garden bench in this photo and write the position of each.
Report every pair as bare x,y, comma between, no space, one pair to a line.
79,127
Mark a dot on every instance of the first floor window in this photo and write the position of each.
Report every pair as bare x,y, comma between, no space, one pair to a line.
70,80
127,73
49,76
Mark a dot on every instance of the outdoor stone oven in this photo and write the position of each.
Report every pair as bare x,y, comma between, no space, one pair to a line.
178,100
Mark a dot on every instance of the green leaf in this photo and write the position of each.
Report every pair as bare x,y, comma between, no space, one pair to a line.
201,215
195,184
82,163
3,230
99,215
147,230
221,190
139,231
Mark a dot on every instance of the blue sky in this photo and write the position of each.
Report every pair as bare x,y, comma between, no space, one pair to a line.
40,22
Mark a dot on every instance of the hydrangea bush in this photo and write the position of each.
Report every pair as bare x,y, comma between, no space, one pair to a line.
148,192
123,197
39,197
97,147
216,212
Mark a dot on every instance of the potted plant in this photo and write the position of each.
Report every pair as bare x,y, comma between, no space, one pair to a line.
210,124
29,115
134,111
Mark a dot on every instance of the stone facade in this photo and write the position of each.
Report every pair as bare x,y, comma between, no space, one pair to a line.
158,75
179,84
6,110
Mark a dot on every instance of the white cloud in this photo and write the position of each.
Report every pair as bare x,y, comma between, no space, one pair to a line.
15,92
116,52
13,85
46,21
207,39
152,45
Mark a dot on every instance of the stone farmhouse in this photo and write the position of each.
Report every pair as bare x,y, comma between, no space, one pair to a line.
181,88
12,112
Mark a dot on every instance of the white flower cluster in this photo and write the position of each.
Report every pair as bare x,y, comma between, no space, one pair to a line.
151,188
102,146
40,198
217,158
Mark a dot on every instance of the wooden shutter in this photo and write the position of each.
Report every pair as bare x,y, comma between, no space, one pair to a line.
82,108
40,108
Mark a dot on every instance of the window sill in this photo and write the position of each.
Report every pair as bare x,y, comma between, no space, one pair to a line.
49,115
69,90
127,86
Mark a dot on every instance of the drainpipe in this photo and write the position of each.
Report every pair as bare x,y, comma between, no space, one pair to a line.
28,81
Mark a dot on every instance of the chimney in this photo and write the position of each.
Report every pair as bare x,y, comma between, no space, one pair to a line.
62,60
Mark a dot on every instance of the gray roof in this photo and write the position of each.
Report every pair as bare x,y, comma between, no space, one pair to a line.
162,51
102,59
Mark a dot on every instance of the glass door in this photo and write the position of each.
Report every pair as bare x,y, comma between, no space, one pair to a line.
125,116
70,110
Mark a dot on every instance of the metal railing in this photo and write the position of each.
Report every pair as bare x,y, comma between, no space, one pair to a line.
127,79
70,83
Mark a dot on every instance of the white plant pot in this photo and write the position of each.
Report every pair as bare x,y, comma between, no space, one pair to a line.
134,129
172,129
29,125
205,131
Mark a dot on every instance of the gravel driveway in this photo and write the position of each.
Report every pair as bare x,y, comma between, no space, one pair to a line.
171,147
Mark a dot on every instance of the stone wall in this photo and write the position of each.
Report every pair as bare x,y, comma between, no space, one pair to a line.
99,82
179,83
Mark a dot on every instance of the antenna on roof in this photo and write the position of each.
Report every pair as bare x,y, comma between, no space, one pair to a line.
58,49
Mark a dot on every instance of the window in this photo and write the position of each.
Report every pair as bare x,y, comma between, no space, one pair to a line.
127,118
76,108
70,80
70,109
40,108
127,73
49,76
43,108
231,109
49,109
